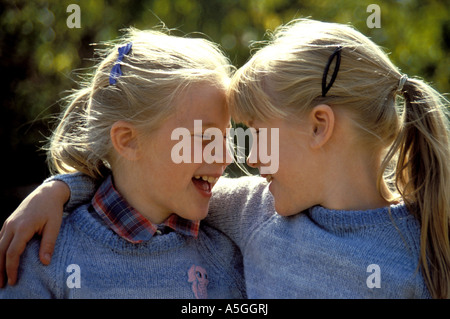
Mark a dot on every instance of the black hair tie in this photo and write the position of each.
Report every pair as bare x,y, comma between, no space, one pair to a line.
336,53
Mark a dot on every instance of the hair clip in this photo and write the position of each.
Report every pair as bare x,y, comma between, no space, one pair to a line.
336,53
402,82
116,70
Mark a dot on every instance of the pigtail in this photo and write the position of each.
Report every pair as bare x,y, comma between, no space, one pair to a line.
422,177
68,149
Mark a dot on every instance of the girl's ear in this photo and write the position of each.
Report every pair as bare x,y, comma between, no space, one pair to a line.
124,138
322,121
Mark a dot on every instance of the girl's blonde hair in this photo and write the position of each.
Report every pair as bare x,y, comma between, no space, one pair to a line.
156,71
284,78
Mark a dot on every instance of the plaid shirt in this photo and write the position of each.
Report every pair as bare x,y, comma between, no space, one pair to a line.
128,223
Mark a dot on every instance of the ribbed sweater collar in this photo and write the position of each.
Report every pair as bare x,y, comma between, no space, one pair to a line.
352,219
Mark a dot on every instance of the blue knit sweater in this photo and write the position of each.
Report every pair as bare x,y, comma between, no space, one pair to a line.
92,261
318,253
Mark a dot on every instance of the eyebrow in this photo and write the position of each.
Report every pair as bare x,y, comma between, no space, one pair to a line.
211,124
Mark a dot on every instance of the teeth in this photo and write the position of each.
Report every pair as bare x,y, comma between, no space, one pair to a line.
269,178
209,179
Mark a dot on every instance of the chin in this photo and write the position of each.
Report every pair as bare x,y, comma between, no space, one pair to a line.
201,215
286,211
197,213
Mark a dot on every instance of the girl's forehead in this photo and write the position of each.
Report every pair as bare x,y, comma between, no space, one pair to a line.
201,101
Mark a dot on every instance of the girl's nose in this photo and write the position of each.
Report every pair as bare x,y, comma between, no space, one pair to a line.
252,160
252,165
228,147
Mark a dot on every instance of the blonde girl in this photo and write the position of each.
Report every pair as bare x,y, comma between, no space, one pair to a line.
140,235
355,135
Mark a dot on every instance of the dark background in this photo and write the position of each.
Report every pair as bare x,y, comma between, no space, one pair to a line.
39,53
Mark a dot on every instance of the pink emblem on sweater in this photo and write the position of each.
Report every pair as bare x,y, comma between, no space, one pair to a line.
199,278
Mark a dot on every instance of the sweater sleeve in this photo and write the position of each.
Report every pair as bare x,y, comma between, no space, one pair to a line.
238,206
82,188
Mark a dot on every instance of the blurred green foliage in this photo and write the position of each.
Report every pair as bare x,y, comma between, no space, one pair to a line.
39,52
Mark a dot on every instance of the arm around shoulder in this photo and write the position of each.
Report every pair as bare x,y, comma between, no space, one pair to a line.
36,280
40,213
80,186
238,205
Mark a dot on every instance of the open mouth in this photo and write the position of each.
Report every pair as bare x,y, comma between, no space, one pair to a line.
204,184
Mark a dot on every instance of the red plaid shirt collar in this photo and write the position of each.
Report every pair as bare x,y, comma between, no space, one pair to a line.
128,223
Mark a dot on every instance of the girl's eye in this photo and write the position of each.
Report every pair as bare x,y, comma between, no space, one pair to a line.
207,137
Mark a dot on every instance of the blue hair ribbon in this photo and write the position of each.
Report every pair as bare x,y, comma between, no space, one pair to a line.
116,70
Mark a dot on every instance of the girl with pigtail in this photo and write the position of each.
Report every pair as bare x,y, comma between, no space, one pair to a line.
139,233
372,150
360,204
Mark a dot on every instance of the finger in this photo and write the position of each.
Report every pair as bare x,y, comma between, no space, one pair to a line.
2,231
49,236
15,250
5,240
